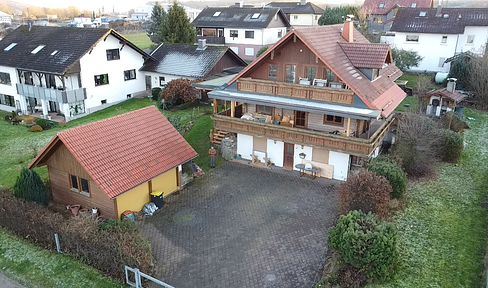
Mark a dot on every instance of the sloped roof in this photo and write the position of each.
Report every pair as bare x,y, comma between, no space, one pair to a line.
367,55
373,6
236,17
296,7
70,42
124,151
454,96
187,60
3,14
324,41
450,20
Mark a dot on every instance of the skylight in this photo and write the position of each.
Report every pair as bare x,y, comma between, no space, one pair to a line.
381,5
12,45
38,49
54,52
216,14
255,15
422,14
413,5
446,15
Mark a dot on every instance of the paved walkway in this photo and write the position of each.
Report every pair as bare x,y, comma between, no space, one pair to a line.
7,283
244,226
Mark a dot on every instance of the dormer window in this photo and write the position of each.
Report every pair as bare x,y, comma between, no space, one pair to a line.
217,14
255,15
414,5
381,5
9,47
39,48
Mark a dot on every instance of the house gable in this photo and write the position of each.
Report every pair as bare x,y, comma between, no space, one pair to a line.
228,60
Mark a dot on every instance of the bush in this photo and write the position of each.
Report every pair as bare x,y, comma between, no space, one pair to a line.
156,93
108,249
365,191
42,122
393,172
29,186
35,128
177,92
452,122
451,146
175,121
366,243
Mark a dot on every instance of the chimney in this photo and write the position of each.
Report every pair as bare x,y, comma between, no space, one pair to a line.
438,13
451,84
347,31
202,44
303,2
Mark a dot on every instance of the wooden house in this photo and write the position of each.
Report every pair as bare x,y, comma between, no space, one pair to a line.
442,100
321,95
114,164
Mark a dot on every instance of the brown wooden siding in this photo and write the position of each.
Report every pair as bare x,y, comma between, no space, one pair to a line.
316,123
227,61
320,155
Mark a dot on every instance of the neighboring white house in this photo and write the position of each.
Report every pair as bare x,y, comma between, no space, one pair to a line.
5,18
437,34
245,30
67,70
143,12
301,13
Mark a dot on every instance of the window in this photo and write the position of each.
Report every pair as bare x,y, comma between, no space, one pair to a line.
209,32
412,38
290,73
316,17
381,5
329,75
334,120
470,39
264,109
216,14
377,20
5,78
444,40
129,96
249,52
295,17
79,185
54,52
7,100
234,33
255,15
273,72
441,61
50,81
162,81
28,78
129,74
113,54
104,101
38,48
101,79
300,119
280,34
310,73
249,34
235,50
422,13
12,45
414,5
375,74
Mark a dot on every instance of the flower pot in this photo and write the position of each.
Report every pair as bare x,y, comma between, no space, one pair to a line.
74,208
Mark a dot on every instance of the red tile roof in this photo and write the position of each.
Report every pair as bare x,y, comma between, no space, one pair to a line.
367,55
372,7
124,151
454,96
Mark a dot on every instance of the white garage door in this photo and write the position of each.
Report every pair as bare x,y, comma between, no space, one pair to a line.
244,146
340,161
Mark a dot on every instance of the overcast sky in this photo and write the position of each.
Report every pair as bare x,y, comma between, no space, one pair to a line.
92,5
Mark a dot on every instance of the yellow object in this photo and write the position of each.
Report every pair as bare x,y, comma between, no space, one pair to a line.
133,199
156,193
166,183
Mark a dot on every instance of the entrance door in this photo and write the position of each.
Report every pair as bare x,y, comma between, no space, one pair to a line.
288,157
53,106
148,82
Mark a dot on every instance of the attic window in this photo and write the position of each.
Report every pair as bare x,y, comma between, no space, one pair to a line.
255,15
216,14
39,48
422,13
414,5
381,5
54,52
10,47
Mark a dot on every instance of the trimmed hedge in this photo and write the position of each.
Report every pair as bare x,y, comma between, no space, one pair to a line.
366,243
451,146
393,172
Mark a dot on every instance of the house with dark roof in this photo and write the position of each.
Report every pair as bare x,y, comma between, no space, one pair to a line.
301,13
69,71
174,61
244,30
114,164
321,96
382,12
437,34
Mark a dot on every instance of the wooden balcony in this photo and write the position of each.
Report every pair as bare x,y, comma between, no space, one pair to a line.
350,145
324,94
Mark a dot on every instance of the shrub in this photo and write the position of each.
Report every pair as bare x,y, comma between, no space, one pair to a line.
177,92
42,122
451,146
393,172
452,122
365,191
108,249
366,243
29,186
156,92
35,128
175,121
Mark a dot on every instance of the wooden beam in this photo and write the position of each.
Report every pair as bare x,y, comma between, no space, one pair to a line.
294,38
216,106
225,104
232,109
272,55
316,59
348,131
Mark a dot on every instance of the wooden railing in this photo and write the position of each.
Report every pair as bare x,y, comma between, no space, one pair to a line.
324,94
349,145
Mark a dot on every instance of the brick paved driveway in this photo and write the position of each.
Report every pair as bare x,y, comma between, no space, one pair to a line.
243,226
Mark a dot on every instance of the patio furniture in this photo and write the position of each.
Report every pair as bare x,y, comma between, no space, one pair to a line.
308,167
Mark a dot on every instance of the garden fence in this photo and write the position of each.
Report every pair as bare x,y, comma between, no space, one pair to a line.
138,275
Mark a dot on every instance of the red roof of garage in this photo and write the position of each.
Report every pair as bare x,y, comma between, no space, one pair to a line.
124,151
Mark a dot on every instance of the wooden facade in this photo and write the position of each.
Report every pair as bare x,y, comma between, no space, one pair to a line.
227,61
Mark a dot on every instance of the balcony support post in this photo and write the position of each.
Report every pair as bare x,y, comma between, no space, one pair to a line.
225,105
215,106
232,109
348,131
44,104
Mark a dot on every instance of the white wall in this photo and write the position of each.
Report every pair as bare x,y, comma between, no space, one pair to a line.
245,145
265,36
480,40
14,79
304,19
275,152
155,78
340,161
95,63
270,35
301,149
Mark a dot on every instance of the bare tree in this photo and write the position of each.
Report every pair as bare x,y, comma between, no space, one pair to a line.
478,80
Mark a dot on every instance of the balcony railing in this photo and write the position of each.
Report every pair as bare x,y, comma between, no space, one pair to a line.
212,39
324,94
350,145
51,94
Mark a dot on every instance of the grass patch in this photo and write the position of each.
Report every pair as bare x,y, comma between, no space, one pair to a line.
442,230
141,40
27,264
412,101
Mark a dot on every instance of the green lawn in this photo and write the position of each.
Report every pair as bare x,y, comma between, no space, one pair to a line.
442,230
141,40
409,100
35,267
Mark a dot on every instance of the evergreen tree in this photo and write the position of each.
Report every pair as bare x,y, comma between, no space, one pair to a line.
29,186
157,22
178,28
332,16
